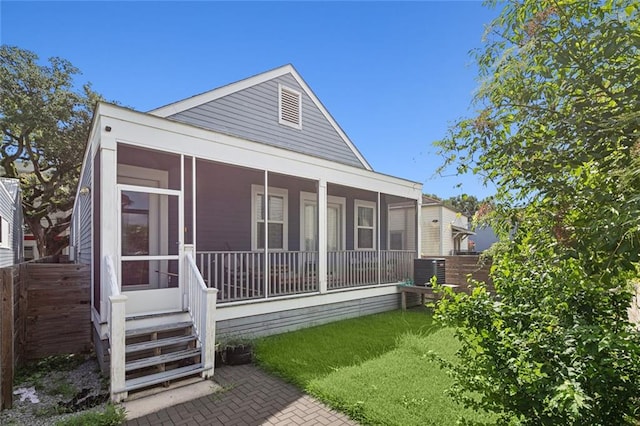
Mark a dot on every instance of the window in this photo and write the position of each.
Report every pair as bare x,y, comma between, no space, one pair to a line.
4,233
277,218
289,107
365,225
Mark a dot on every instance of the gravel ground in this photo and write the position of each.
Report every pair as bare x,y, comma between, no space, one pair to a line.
46,397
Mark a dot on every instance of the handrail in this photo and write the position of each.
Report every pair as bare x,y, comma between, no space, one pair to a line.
201,306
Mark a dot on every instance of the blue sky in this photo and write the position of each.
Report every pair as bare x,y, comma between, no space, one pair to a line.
394,75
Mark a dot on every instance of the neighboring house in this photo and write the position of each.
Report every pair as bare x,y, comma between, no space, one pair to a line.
445,231
10,222
245,210
485,237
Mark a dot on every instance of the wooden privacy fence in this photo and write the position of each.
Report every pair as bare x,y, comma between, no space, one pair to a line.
44,310
459,268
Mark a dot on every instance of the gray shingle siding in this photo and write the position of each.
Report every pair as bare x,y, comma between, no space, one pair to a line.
84,222
252,114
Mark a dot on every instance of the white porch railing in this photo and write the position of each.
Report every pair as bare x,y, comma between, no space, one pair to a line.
239,275
351,268
116,330
201,307
355,268
397,265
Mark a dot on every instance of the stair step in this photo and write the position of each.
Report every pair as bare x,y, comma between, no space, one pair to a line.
165,376
157,328
161,359
152,344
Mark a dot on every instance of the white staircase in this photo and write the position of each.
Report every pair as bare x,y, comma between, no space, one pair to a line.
146,351
160,353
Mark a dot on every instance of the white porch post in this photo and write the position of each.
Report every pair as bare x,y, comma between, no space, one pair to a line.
322,235
378,227
108,228
418,245
267,268
193,204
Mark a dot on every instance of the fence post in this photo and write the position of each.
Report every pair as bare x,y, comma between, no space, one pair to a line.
23,284
6,338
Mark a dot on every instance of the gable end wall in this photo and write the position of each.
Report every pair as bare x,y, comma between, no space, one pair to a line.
252,114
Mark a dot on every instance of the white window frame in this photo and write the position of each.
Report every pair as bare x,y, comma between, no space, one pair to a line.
309,197
366,204
281,88
279,192
5,237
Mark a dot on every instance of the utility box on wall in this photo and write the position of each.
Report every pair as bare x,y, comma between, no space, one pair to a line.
424,269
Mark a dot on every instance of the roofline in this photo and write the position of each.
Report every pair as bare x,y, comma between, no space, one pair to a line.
202,98
107,109
6,190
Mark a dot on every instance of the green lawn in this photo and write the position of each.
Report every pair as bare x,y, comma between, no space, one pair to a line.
373,368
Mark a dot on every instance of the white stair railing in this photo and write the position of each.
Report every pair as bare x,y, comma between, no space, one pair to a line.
202,306
116,330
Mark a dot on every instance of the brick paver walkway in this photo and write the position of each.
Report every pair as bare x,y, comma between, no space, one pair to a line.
249,397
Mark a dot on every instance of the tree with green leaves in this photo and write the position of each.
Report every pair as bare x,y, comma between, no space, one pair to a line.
45,125
466,204
557,131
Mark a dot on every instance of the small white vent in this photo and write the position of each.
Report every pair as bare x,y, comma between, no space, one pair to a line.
290,107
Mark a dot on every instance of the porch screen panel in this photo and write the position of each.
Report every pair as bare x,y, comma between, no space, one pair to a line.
334,227
188,200
148,223
148,228
310,227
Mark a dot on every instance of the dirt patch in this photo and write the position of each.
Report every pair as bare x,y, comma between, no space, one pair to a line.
55,389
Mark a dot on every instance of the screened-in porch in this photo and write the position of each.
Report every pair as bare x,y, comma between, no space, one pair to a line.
257,234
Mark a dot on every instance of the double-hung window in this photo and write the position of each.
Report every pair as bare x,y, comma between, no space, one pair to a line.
365,225
276,220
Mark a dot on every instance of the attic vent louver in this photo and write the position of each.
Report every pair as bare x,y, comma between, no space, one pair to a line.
290,107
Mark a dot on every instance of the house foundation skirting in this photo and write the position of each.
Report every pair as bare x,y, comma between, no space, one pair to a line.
294,319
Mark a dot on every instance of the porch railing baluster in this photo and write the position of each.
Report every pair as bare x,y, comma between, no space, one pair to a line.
239,275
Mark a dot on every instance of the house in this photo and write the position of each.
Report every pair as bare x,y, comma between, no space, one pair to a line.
445,231
245,210
485,237
10,222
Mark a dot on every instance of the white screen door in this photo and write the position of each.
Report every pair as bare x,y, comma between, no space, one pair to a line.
150,248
